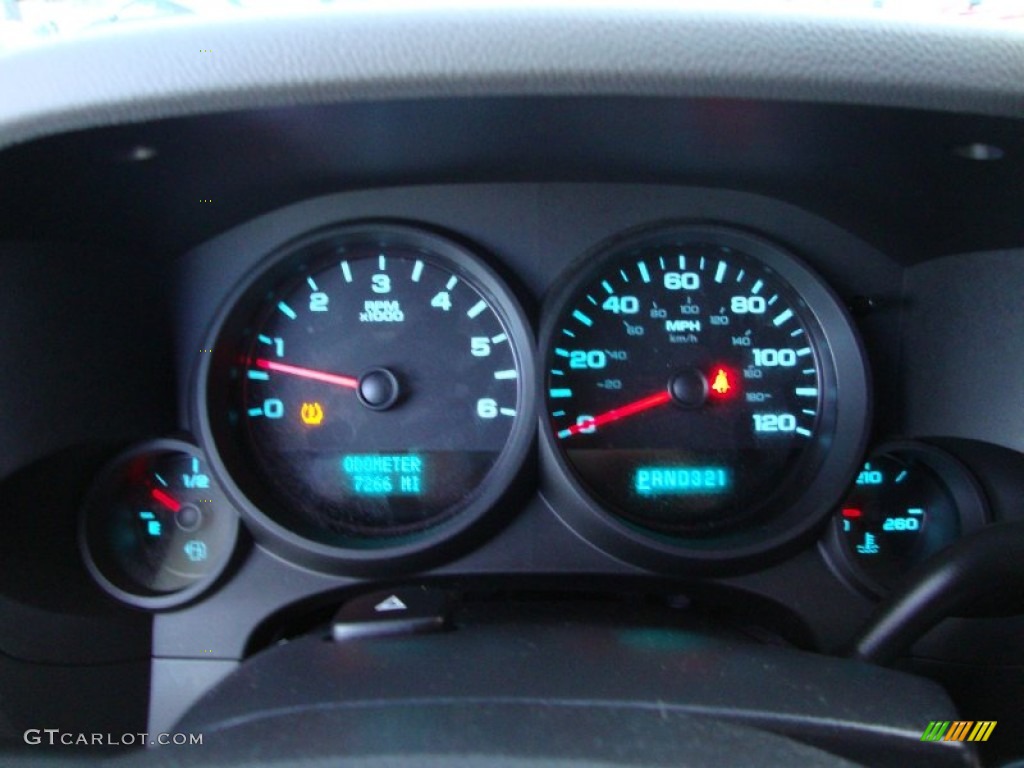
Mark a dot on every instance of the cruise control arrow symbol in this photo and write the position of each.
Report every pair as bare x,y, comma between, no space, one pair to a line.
392,603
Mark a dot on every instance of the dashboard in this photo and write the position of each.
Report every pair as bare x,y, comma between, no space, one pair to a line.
674,376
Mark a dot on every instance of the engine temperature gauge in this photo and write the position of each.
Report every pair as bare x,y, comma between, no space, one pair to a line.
909,501
156,530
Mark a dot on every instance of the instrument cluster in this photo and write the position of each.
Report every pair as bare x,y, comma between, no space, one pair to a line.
696,400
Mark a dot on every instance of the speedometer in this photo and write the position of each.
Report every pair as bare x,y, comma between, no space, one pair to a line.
702,384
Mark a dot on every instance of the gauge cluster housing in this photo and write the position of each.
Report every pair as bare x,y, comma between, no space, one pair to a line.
836,452
521,248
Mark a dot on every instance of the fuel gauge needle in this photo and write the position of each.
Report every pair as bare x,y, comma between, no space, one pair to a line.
165,499
308,373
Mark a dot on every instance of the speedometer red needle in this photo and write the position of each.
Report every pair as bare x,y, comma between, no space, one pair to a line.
166,500
308,373
637,406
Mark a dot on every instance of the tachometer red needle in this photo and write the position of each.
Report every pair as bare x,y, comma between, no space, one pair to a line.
164,499
308,373
637,406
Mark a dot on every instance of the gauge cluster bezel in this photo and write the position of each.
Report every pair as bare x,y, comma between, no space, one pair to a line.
843,369
473,519
533,233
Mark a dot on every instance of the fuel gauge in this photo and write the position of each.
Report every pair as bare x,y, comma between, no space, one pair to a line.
909,501
156,530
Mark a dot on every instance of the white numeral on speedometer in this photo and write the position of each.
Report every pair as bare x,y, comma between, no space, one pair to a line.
742,305
774,422
770,358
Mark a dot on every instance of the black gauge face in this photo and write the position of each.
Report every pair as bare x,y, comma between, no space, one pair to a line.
688,384
908,502
156,528
369,386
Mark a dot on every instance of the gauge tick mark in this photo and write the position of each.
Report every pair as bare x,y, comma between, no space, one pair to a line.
782,318
582,318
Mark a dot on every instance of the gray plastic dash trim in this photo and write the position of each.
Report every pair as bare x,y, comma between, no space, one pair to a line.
132,74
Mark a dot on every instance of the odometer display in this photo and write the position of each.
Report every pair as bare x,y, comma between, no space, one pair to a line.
369,385
689,386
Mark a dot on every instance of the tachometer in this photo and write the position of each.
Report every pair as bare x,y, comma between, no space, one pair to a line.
702,384
368,388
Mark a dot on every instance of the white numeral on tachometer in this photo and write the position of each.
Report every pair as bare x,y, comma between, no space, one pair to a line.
318,302
442,300
479,346
277,343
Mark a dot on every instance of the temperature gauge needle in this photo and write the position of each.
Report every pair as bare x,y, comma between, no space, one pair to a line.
166,500
637,406
308,373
